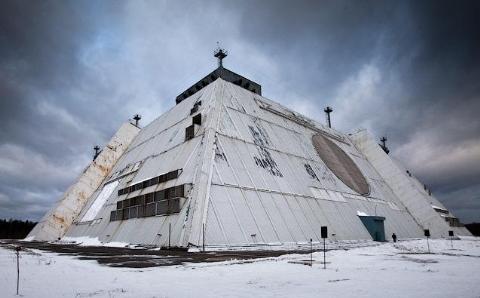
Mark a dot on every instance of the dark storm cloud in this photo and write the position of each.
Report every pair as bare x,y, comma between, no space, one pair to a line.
71,72
47,130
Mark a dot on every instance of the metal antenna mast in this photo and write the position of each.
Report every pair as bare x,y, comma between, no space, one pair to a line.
97,151
220,54
328,110
137,119
384,144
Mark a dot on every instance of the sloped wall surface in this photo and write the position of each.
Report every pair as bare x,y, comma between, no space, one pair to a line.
419,201
55,223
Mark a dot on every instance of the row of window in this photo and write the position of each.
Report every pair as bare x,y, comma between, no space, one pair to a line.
164,207
154,181
164,194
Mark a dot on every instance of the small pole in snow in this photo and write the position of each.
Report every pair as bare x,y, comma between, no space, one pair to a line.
311,253
324,234
427,234
169,231
17,252
324,257
450,233
203,242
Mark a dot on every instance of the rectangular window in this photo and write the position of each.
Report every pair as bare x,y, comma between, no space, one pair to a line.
193,110
159,195
189,132
162,207
133,212
141,200
171,192
173,206
119,214
113,215
180,191
162,178
141,211
172,175
150,209
154,181
149,197
197,119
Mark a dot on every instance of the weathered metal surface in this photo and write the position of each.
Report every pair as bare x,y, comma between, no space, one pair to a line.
56,222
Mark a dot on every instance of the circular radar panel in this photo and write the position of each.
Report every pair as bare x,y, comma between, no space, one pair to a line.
340,164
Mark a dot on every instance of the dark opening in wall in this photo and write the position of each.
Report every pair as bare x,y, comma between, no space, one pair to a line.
197,119
189,132
193,110
195,107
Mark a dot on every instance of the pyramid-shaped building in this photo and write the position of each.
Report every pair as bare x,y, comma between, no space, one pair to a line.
226,167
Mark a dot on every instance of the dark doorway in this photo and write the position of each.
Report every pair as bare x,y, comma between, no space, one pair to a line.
375,227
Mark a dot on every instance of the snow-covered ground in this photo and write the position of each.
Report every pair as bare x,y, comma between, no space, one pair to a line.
388,270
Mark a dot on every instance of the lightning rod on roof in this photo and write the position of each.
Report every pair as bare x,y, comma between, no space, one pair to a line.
220,54
328,110
97,151
384,144
137,118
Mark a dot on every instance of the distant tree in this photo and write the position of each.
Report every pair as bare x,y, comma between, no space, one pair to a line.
474,228
15,229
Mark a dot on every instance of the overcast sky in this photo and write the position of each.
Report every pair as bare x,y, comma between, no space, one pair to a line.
72,72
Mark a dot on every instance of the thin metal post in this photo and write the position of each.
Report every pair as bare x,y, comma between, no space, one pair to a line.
324,257
203,242
311,253
428,246
17,249
169,232
451,241
328,110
